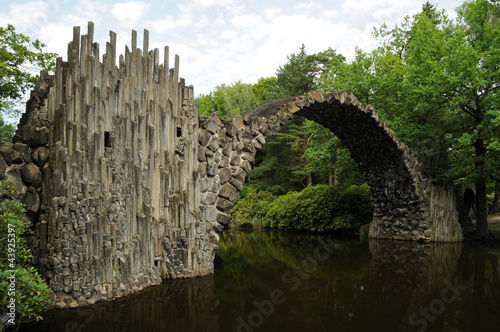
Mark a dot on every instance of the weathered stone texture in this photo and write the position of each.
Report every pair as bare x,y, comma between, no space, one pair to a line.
106,161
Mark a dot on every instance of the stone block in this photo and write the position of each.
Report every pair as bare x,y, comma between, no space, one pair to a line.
24,150
223,219
31,175
204,137
239,174
224,204
225,175
211,198
229,192
235,159
211,126
202,169
10,155
31,200
13,174
245,165
237,184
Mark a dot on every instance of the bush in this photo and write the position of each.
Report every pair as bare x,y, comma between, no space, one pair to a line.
321,208
251,207
31,292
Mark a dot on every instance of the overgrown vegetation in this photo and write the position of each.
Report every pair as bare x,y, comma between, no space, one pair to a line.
18,278
21,58
320,208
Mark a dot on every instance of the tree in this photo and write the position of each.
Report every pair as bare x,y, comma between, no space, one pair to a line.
268,89
20,59
300,74
436,83
472,63
278,163
229,100
328,158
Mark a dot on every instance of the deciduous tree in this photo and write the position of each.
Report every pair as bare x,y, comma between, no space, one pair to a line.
21,59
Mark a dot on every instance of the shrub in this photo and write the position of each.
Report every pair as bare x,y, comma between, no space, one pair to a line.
321,208
251,207
31,292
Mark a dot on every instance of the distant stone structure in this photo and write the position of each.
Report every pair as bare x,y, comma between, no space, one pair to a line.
125,184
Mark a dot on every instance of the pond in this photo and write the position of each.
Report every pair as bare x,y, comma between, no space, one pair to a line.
272,281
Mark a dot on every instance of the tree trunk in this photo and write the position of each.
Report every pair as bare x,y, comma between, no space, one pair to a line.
481,200
496,201
309,179
330,175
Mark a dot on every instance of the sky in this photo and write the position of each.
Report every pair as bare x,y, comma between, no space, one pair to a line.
218,41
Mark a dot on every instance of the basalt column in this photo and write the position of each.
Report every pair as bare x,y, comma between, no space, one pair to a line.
120,195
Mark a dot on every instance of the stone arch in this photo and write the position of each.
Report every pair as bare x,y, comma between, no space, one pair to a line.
406,204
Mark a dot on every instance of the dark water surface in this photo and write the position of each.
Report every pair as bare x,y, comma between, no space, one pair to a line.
268,281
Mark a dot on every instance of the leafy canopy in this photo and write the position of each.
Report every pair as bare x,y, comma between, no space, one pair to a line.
21,59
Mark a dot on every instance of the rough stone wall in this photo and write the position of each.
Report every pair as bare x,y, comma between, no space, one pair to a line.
407,205
111,152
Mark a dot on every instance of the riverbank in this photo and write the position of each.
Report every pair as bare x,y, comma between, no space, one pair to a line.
494,223
493,227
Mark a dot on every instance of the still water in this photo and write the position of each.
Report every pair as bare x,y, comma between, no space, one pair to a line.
270,281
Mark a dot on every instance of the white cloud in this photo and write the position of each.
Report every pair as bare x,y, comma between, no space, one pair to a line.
57,36
299,6
129,13
330,14
271,13
382,10
28,17
208,3
247,21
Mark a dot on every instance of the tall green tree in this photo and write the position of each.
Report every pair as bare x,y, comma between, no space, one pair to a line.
268,89
300,74
327,158
436,82
21,59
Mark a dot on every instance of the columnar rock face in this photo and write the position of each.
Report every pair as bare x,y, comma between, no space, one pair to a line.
107,160
126,184
407,205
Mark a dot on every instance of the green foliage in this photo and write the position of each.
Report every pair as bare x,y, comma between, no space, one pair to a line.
302,153
209,103
252,206
299,75
31,291
20,60
7,131
320,208
327,158
229,100
279,160
436,82
268,89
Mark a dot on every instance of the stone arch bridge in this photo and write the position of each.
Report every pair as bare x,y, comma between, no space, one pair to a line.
126,184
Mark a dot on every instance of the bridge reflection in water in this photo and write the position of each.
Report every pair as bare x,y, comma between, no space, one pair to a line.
268,281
